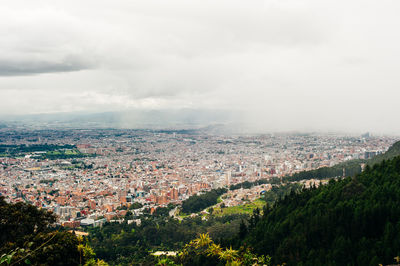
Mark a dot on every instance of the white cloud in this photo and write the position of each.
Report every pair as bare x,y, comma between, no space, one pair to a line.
286,64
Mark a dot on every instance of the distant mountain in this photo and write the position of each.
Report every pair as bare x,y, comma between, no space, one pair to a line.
177,119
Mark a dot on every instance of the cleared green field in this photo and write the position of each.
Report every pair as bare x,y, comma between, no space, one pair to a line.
246,208
53,153
65,154
71,152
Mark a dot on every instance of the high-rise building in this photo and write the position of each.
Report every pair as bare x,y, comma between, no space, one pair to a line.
228,178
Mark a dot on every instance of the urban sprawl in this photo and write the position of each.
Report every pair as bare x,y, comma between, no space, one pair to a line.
88,177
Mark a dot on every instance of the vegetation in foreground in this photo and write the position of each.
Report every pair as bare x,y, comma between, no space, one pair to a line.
28,236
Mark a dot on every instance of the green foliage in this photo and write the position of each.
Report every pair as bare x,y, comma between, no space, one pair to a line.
247,184
132,244
64,154
197,203
135,205
14,150
22,219
278,192
165,262
50,151
27,236
239,209
88,256
6,258
353,221
163,211
203,251
94,262
54,248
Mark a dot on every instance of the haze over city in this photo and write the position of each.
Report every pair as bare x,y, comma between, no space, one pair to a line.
202,132
271,65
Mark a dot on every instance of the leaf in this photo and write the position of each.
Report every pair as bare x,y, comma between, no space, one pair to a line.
8,259
27,261
3,258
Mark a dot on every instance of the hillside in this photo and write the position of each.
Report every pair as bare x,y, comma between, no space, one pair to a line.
351,167
392,152
353,221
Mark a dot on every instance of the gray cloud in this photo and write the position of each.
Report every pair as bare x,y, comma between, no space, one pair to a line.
281,64
17,68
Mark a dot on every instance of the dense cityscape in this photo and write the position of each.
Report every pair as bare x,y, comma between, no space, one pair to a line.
200,133
88,177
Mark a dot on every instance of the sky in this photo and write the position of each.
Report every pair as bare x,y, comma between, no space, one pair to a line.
278,64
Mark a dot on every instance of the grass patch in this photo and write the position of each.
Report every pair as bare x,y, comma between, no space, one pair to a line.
240,209
71,152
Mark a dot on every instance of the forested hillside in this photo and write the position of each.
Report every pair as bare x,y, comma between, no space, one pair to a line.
198,203
351,167
392,152
353,221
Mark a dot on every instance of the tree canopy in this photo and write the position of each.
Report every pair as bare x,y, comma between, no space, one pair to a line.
28,236
352,221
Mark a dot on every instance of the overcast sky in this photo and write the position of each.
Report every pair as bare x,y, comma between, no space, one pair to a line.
284,65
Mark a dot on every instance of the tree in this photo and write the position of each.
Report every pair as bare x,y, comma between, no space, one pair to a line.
203,251
28,236
242,230
354,220
21,219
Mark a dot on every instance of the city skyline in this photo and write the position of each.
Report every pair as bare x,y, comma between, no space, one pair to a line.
100,173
